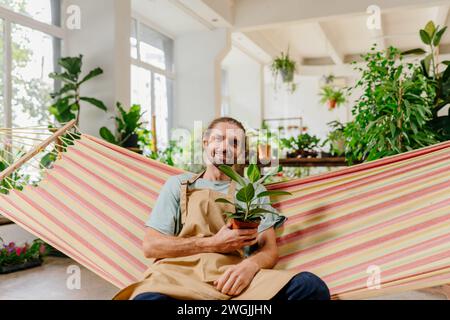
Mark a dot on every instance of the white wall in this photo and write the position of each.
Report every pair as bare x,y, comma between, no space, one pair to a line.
13,233
244,87
304,102
104,40
198,58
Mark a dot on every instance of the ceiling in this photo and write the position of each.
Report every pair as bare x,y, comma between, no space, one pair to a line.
313,40
342,39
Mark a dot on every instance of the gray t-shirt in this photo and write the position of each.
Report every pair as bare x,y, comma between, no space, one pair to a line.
166,215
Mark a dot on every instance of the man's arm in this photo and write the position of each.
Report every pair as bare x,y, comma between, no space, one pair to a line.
267,255
158,245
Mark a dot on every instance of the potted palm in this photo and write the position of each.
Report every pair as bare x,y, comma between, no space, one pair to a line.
247,204
334,97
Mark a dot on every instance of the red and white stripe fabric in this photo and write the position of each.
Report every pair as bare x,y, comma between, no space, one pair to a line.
372,229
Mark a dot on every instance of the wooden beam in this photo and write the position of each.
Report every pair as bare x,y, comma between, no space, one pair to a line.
332,50
36,150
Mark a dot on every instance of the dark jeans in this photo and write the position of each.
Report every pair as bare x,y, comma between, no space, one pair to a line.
303,286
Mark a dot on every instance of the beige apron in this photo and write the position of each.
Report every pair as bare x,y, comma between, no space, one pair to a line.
192,277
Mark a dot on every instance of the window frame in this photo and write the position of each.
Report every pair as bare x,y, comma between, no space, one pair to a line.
137,62
8,18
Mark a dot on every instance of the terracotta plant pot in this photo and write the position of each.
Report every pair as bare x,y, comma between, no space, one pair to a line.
264,152
239,224
332,104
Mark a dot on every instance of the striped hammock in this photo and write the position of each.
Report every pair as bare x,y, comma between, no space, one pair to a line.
373,229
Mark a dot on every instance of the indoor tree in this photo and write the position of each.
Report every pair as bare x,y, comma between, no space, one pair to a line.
393,112
438,74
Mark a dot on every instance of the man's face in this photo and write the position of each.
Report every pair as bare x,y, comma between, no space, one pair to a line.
224,144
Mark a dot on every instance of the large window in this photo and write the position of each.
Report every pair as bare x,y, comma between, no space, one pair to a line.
152,77
30,45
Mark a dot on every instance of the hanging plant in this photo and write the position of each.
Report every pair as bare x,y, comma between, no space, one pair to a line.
334,97
285,67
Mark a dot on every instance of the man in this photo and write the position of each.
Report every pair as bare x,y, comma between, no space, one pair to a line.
196,253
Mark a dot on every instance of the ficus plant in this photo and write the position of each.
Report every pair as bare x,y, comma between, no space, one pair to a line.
247,204
438,74
392,114
68,99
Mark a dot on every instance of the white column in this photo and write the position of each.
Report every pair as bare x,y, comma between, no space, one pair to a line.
198,58
104,41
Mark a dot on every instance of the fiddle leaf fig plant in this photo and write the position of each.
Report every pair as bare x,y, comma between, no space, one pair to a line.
247,203
68,99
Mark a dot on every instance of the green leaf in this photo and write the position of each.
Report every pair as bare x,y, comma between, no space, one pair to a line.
425,37
253,173
273,193
417,51
246,193
229,171
99,104
222,200
438,36
430,29
260,211
107,135
94,73
72,64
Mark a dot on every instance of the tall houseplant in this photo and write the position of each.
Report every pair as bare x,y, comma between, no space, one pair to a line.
285,67
392,114
438,74
248,209
68,99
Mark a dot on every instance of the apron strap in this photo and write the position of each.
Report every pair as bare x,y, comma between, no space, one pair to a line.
184,191
183,195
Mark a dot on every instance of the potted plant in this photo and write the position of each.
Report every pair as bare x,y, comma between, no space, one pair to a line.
68,98
334,97
392,114
336,139
302,146
247,203
265,142
284,66
15,258
127,124
438,76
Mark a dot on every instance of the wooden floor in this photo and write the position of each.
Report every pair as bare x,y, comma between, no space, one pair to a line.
49,282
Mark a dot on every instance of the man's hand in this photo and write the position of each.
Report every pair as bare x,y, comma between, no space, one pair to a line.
236,278
229,240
